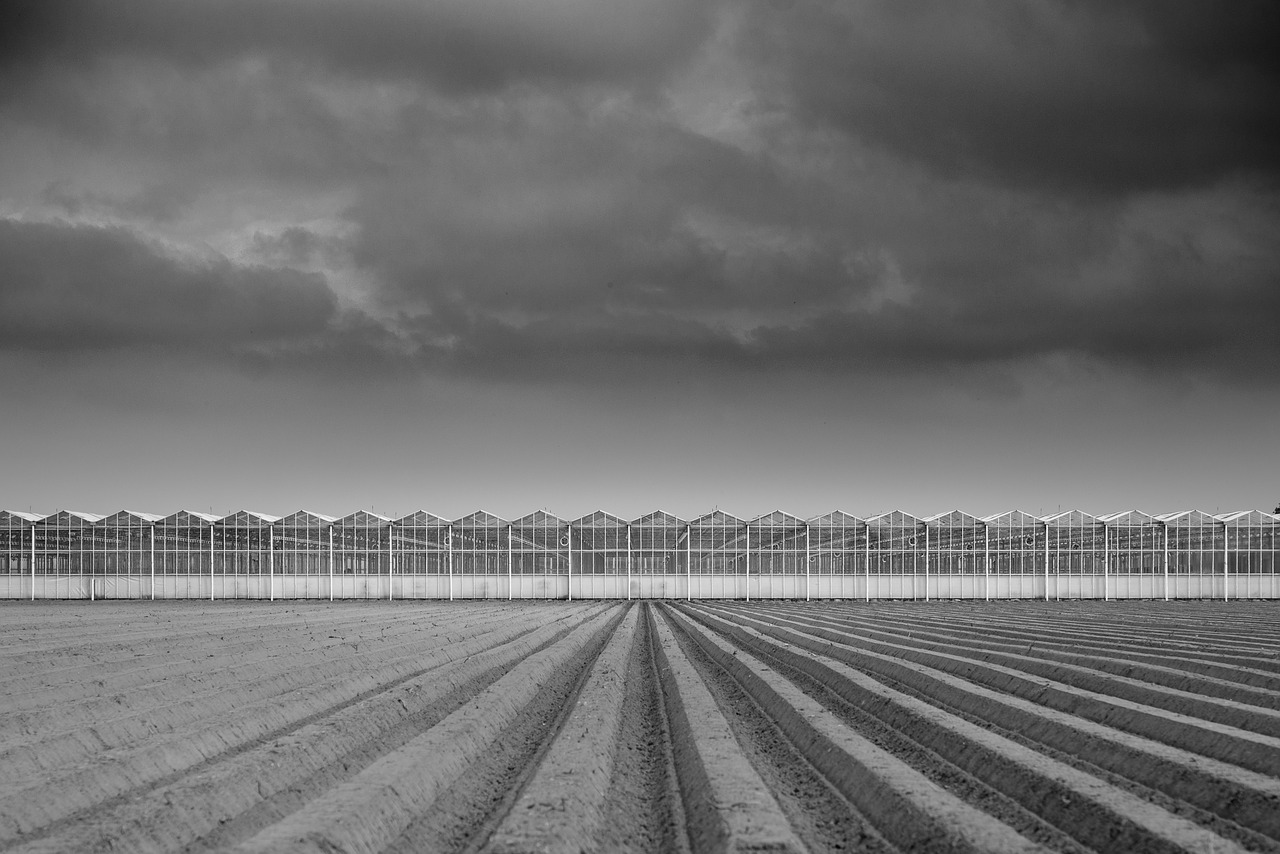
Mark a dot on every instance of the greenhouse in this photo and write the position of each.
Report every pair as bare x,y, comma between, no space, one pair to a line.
1012,555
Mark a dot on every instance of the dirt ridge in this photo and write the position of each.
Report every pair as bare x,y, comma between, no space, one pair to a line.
712,726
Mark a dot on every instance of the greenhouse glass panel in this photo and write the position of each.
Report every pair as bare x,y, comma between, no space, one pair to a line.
1252,544
184,553
1076,553
955,544
302,545
897,543
362,545
242,555
16,539
718,544
778,545
599,545
64,547
540,545
778,564
1015,546
421,544
659,544
1135,550
838,545
1195,544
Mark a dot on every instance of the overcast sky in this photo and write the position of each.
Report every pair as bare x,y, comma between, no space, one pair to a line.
569,254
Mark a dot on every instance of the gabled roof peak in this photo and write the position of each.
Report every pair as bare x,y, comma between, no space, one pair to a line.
185,518
952,517
894,517
539,519
600,519
130,516
659,517
718,517
1245,517
421,518
1187,518
1070,517
71,516
362,519
480,519
778,518
1129,517
304,517
1012,519
247,518
837,519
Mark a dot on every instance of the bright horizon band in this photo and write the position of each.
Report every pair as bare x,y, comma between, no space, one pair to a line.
1012,555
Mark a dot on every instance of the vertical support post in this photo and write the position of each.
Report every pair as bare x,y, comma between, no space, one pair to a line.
449,540
210,563
510,573
1226,562
33,563
628,561
1046,561
926,562
867,568
153,563
986,562
1165,528
271,563
748,534
569,546
688,563
1106,559
391,561
808,560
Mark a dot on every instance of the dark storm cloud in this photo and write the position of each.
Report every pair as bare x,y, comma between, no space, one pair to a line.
1160,328
76,288
562,216
1092,185
1105,96
457,44
610,247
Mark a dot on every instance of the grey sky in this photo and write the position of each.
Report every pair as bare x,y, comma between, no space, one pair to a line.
643,253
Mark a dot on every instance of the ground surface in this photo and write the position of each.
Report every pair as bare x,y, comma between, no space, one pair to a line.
834,726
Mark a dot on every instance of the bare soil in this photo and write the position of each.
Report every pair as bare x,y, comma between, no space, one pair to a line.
639,726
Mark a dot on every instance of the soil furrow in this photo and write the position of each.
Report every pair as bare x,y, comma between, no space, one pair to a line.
114,772
128,713
561,807
1098,814
643,813
727,806
234,795
219,659
1207,737
909,809
496,728
1240,712
1220,788
1202,677
370,810
902,617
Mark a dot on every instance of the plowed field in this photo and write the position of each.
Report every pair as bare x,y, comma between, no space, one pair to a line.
704,726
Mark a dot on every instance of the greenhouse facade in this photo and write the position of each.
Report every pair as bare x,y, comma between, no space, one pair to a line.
1012,555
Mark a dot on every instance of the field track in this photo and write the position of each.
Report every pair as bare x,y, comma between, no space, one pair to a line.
598,726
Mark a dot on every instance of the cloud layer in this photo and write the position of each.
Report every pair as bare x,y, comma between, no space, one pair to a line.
562,189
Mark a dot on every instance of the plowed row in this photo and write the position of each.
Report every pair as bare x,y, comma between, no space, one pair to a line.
705,726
